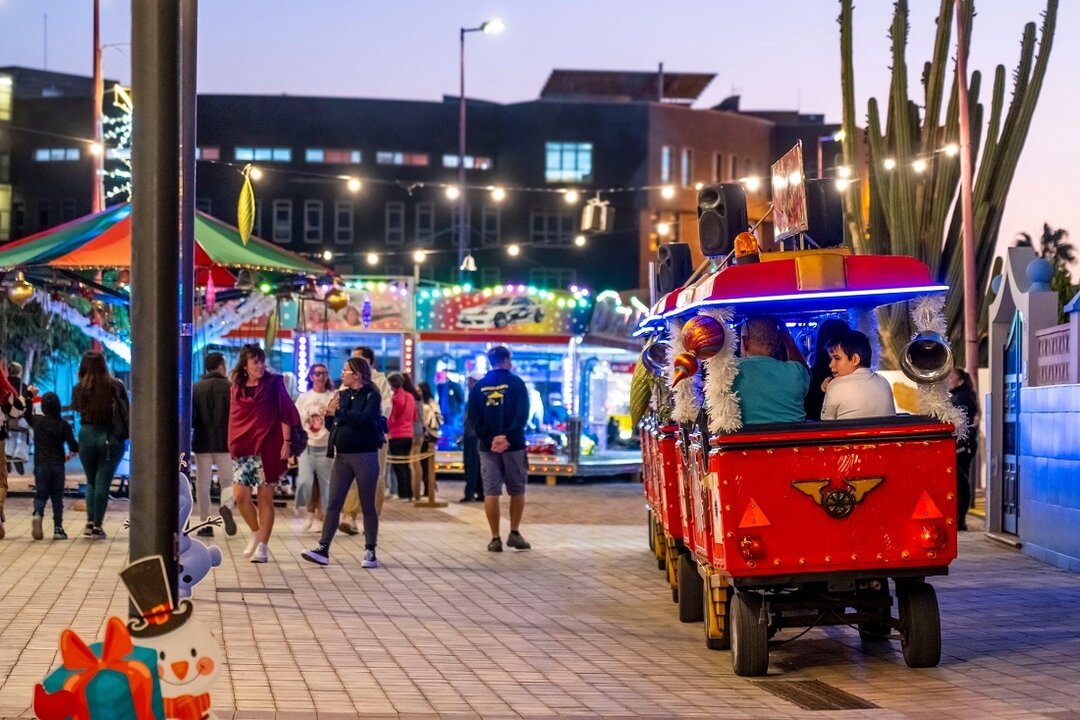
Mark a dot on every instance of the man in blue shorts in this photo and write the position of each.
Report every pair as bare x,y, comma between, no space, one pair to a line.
770,390
498,410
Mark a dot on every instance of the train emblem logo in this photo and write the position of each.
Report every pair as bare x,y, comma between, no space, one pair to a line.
839,502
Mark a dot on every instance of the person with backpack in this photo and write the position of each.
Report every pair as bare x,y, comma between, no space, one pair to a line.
264,432
51,434
433,422
102,403
357,431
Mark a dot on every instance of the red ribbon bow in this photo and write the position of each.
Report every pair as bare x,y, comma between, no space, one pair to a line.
71,701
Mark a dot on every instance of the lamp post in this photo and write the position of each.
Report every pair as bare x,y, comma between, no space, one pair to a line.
490,27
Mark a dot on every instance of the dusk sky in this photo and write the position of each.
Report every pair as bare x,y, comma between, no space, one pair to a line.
777,54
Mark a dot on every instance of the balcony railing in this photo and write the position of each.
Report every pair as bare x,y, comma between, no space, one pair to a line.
1057,359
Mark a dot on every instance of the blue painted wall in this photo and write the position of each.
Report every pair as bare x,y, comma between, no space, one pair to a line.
1050,474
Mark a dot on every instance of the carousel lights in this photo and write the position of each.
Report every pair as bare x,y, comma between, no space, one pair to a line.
266,288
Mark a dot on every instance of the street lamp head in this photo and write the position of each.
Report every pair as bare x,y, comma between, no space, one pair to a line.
493,27
452,192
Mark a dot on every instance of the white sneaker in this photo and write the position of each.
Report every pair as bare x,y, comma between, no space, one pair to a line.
260,553
369,560
316,526
250,547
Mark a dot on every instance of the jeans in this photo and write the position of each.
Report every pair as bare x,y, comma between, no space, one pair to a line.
312,466
100,453
364,469
401,448
49,485
203,464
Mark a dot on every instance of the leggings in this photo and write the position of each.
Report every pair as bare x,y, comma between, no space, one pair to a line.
364,469
402,448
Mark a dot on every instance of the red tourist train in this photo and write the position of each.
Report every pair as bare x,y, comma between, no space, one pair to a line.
765,527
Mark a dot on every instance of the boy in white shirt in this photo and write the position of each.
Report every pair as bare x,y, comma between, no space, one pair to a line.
854,391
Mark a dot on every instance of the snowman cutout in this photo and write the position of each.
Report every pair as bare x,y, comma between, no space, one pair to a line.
189,658
196,558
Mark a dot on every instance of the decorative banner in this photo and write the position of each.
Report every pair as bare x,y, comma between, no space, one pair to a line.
272,325
245,208
509,310
789,194
389,306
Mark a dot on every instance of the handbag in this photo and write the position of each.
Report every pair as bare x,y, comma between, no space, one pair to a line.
297,439
121,413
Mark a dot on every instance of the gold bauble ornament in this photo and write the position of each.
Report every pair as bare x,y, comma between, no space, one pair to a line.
336,299
19,291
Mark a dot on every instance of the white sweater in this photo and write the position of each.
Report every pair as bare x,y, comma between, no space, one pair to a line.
861,394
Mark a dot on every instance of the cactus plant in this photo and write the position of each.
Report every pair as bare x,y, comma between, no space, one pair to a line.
916,213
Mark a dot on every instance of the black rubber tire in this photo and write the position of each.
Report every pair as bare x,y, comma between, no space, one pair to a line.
691,604
920,624
500,321
749,636
675,594
712,643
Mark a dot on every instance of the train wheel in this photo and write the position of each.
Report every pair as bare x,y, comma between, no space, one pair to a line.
717,617
749,635
920,624
691,605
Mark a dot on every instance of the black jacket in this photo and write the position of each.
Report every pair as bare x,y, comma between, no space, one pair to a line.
50,435
358,425
210,414
499,405
962,397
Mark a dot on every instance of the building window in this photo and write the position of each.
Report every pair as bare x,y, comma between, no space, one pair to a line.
666,160
5,97
333,156
44,213
718,167
5,167
395,223
551,227
56,154
67,210
686,167
282,232
734,175
490,276
455,222
490,221
263,154
18,217
471,162
313,221
387,157
552,277
425,223
203,205
568,162
343,223
5,213
209,153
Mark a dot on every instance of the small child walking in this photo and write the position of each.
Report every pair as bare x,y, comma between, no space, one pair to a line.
51,433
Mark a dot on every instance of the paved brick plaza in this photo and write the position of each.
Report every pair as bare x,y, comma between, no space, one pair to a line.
582,626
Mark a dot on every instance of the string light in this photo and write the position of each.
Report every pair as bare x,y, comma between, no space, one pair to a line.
842,184
889,163
662,229
419,256
919,165
952,149
571,197
353,184
844,172
753,183
255,174
579,240
498,194
667,192
513,250
452,192
372,259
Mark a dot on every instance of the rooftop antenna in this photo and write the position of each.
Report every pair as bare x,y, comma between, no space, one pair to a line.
660,83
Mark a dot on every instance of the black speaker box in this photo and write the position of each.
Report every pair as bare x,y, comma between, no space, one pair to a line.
721,216
674,267
824,213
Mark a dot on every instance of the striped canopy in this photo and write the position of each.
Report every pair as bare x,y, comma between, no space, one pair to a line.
103,241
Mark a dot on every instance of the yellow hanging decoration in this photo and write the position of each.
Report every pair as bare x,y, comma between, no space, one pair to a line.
272,325
245,208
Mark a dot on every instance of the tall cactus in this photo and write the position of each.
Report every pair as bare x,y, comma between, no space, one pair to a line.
913,213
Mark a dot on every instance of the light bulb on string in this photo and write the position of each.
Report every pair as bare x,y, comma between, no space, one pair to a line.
571,197
667,192
419,256
513,250
353,184
255,173
952,149
889,163
453,192
579,240
753,183
663,228
372,259
498,194
919,166
844,172
327,255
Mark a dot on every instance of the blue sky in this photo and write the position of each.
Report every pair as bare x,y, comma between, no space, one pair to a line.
778,54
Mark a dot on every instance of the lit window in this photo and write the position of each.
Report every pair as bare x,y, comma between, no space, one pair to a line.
282,221
313,221
343,223
666,160
568,162
395,223
471,162
550,227
333,156
314,155
686,167
56,154
210,153
425,223
263,154
41,155
245,154
387,157
5,97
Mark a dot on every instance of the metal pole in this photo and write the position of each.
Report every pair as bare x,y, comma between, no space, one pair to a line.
97,200
155,221
189,14
462,201
971,306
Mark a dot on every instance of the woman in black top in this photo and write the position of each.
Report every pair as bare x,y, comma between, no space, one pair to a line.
355,419
962,395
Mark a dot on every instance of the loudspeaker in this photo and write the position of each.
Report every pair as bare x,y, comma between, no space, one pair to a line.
824,213
597,217
675,266
721,216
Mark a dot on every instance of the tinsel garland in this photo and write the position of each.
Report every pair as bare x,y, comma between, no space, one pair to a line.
865,321
688,392
228,316
725,414
110,340
927,316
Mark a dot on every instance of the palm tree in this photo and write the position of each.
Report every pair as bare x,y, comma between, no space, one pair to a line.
1052,246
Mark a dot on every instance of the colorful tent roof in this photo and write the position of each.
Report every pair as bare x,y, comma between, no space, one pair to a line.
103,240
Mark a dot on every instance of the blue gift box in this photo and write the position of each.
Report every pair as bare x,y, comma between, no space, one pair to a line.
108,694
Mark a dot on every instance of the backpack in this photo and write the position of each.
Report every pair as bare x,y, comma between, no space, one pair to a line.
121,415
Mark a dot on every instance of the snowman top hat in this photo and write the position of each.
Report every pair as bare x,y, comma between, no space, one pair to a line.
148,587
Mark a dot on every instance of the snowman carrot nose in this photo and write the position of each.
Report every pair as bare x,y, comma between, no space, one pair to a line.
180,669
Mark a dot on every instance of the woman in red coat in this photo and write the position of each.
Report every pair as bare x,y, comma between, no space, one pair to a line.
261,415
